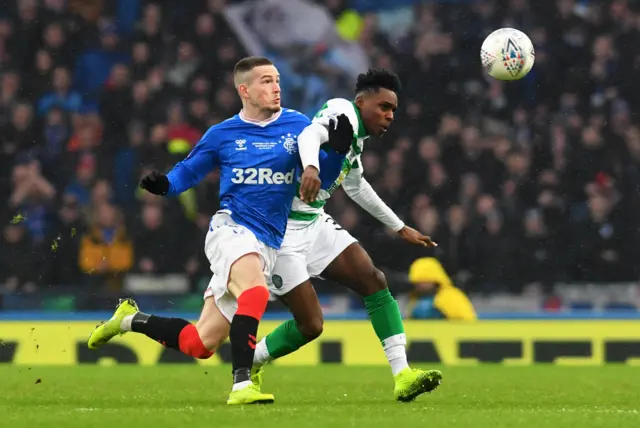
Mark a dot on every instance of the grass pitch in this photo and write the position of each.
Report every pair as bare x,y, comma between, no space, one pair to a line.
323,396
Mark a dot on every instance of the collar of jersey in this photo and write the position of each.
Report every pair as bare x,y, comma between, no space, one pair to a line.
262,123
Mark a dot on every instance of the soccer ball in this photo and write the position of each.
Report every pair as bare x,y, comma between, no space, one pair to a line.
507,54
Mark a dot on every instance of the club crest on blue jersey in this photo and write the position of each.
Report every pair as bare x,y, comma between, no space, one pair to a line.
290,143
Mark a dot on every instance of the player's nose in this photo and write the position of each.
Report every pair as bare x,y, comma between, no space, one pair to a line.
389,116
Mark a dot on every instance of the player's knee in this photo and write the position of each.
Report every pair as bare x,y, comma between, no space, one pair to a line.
312,329
202,353
191,343
379,279
209,347
371,281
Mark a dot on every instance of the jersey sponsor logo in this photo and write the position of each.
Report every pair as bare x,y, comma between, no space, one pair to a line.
261,176
240,145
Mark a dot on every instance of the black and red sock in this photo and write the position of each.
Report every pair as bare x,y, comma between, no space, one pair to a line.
175,333
251,306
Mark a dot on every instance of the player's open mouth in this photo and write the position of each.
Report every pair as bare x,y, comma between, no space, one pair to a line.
383,128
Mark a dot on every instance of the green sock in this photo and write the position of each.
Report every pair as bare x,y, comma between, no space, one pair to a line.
386,320
385,314
285,339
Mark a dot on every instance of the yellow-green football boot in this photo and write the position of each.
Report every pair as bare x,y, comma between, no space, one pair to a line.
109,329
412,382
250,395
256,377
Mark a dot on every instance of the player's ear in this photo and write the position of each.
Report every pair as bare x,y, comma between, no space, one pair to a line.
243,90
359,101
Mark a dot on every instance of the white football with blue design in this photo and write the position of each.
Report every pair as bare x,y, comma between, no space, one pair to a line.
507,54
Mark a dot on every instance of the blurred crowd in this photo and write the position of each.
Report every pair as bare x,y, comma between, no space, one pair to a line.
522,184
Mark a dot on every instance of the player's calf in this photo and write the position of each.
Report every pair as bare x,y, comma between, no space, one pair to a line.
384,313
252,304
288,337
247,283
174,333
355,269
291,335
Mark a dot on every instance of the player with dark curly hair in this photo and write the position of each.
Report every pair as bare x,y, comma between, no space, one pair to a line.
316,246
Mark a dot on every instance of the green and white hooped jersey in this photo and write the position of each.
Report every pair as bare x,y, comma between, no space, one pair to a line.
303,214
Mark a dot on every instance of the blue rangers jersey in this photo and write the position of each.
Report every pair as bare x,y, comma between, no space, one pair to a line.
258,166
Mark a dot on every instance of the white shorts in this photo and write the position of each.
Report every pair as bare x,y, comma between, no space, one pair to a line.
307,252
225,243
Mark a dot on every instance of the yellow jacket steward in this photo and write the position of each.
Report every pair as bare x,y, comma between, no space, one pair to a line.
113,257
450,301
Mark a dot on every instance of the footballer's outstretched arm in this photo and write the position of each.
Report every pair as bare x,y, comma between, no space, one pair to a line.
186,174
361,192
200,162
